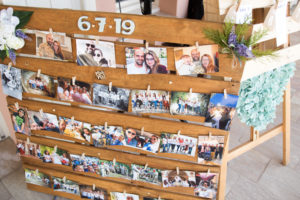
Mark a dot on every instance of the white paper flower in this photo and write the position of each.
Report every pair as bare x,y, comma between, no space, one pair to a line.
6,17
14,42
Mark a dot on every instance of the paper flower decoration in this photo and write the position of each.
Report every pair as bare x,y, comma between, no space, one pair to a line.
259,96
10,38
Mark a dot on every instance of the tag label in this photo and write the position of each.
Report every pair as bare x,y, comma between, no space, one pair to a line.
281,24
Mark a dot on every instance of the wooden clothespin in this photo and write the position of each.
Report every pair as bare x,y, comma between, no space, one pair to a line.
37,171
9,66
72,120
110,86
55,148
238,3
64,179
191,90
208,171
146,166
177,170
114,161
82,155
209,136
178,133
105,126
124,193
41,112
99,154
73,80
142,130
17,105
27,140
148,89
38,73
197,45
159,198
51,31
97,40
225,94
146,47
94,187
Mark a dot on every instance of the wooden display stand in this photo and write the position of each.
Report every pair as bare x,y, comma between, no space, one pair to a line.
149,28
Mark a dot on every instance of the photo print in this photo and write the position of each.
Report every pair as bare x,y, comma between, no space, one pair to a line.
210,150
149,198
185,103
118,170
145,141
11,81
193,60
87,192
170,178
93,53
141,61
178,144
53,45
206,185
80,92
19,119
221,111
154,101
98,136
67,186
26,149
58,157
148,175
123,196
75,129
42,85
43,121
21,147
115,135
117,98
37,178
85,163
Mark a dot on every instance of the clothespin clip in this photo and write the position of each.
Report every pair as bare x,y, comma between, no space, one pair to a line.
38,73
159,198
191,90
73,80
51,31
238,3
146,47
105,126
28,140
99,155
197,45
97,40
110,86
177,170
94,187
72,120
208,171
9,66
209,136
17,105
178,133
146,166
64,179
148,89
114,161
82,155
225,94
124,192
55,148
142,131
37,171
41,112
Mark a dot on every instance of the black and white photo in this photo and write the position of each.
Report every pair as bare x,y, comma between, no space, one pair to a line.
11,81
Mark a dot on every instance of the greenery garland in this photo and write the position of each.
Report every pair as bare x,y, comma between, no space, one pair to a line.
259,96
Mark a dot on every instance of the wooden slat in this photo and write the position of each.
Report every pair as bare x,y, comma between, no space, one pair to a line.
110,186
287,125
151,28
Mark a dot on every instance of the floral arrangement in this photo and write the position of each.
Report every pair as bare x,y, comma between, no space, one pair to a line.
259,96
233,40
11,34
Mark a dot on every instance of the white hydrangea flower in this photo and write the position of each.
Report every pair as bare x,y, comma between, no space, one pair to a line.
14,42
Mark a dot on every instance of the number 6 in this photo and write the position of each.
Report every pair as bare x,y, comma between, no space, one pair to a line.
83,25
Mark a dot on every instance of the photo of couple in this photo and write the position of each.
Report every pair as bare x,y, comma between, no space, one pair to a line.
42,85
196,60
221,111
210,150
11,81
170,178
53,45
43,121
146,61
95,53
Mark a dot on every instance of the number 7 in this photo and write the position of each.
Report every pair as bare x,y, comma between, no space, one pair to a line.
102,22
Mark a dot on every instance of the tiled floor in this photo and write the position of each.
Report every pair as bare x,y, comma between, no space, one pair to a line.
258,174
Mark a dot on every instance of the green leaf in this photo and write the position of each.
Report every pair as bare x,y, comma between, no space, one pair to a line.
24,17
2,54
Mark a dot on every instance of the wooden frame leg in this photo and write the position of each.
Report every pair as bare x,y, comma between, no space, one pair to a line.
223,173
286,124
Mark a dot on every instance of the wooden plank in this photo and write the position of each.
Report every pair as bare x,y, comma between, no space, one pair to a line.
260,65
287,125
243,148
151,28
110,186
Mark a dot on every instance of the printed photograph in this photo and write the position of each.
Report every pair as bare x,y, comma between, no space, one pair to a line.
11,81
65,186
123,196
98,136
43,121
87,192
178,144
115,135
26,149
48,155
149,198
154,101
80,92
170,178
145,141
53,45
148,175
117,98
210,150
85,164
37,178
75,129
185,103
118,170
221,111
93,53
193,60
19,119
142,61
42,85
206,185
21,148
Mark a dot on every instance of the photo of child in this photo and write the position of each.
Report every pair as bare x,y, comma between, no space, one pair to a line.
75,129
43,121
19,119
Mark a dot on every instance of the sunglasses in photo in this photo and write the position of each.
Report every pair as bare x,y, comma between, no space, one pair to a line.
92,45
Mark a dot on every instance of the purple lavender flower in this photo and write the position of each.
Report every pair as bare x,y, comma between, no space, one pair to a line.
12,56
21,34
232,39
243,50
